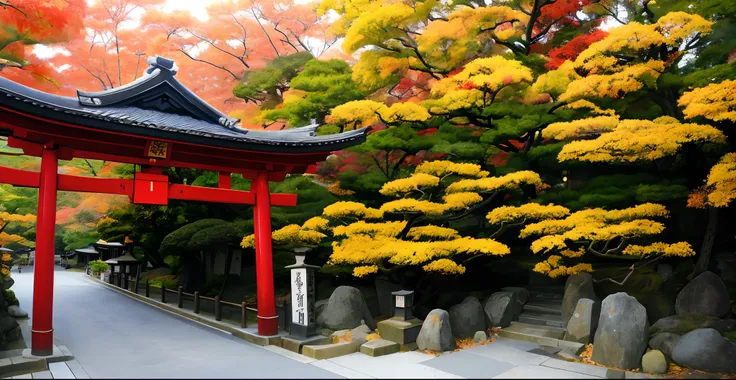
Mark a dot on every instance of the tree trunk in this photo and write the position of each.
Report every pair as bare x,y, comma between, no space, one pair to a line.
228,260
708,240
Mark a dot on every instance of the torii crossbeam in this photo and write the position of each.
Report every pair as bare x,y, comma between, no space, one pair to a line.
154,122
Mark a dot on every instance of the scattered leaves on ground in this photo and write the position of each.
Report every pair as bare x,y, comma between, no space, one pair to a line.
342,338
373,336
433,353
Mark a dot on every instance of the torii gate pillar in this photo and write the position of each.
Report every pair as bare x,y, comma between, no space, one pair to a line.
268,323
42,338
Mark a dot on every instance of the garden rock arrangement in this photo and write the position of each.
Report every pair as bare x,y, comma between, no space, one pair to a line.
621,337
577,287
706,350
654,362
584,321
345,309
706,294
684,323
466,318
664,342
436,333
501,308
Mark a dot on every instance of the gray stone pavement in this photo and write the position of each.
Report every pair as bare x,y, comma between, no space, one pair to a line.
114,336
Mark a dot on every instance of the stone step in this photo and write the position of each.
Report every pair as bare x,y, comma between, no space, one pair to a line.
546,289
541,319
531,336
546,331
545,296
543,308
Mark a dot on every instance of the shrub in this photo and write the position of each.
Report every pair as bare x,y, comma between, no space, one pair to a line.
169,282
23,259
98,266
10,298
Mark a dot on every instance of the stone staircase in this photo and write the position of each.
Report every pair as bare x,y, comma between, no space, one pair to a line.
543,307
541,321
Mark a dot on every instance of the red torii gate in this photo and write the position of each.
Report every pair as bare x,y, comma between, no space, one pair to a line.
153,122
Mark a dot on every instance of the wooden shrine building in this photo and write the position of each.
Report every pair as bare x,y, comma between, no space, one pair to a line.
153,122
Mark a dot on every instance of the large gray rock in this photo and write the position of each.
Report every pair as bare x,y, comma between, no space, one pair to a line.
623,329
664,342
584,322
8,283
345,309
522,297
466,318
682,324
654,362
577,286
9,327
16,312
436,332
705,294
500,309
705,350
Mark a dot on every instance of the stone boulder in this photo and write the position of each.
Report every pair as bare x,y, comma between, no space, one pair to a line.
466,318
705,350
7,284
682,324
621,337
654,362
345,309
706,294
436,332
577,286
664,342
9,328
480,336
584,322
16,312
500,309
522,297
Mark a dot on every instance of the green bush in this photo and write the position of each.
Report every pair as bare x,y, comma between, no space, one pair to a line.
10,298
98,266
23,259
169,282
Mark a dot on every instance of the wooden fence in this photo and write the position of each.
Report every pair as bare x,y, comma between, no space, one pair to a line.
133,285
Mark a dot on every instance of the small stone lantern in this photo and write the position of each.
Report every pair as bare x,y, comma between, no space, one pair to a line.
303,318
403,303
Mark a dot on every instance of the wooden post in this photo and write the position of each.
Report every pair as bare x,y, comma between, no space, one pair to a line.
148,289
243,316
180,297
42,336
267,318
196,302
218,308
125,277
163,293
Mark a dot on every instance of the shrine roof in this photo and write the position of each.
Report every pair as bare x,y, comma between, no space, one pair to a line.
157,105
90,250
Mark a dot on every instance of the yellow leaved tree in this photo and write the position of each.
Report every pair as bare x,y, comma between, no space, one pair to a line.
5,220
565,238
412,231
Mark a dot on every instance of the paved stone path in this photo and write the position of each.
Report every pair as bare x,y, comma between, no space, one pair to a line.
114,336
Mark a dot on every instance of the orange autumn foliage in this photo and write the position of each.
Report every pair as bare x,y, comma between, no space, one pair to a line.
30,22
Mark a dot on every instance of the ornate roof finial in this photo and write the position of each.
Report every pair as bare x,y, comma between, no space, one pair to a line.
161,63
